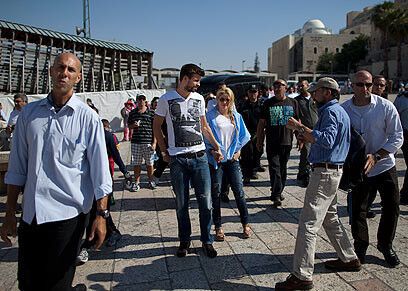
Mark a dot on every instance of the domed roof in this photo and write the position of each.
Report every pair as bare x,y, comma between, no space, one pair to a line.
315,26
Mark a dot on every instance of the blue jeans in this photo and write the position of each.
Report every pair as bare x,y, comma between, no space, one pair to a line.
232,170
182,171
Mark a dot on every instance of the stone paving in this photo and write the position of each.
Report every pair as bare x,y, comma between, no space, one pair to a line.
144,259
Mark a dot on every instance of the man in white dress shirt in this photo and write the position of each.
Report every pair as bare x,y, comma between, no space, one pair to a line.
377,120
59,157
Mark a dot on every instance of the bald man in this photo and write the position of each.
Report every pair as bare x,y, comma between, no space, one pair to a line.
59,157
377,120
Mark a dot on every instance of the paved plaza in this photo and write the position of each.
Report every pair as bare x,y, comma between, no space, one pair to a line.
145,258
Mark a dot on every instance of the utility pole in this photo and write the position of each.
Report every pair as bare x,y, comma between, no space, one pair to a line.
86,20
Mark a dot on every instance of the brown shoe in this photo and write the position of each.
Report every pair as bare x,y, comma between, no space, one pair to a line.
293,283
339,265
246,233
219,234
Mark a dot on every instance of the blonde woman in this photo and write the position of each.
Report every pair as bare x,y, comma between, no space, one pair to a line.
231,134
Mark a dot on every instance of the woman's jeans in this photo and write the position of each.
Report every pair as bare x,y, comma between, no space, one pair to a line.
234,175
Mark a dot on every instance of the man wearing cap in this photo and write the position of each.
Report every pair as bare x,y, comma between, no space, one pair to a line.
330,141
274,116
250,155
143,143
377,120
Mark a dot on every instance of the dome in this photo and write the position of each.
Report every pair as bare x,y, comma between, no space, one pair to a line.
315,26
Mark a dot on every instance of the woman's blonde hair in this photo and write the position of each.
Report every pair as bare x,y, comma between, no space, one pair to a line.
227,91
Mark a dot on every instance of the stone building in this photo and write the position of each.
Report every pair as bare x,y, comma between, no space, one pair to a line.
300,51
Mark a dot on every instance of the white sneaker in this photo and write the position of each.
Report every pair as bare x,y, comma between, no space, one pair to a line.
135,187
83,257
128,185
152,185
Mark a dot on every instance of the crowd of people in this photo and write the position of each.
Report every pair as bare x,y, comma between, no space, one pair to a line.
63,158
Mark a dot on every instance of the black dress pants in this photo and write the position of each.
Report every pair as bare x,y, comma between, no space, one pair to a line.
387,185
250,158
278,157
47,253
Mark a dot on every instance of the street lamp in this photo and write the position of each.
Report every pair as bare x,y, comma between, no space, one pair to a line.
243,64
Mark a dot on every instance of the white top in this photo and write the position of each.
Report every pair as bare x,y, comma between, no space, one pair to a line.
226,130
60,159
380,126
183,121
13,117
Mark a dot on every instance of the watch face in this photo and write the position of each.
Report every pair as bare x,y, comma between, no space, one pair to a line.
104,213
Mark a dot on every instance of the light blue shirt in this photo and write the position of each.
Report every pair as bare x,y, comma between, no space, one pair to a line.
332,134
240,138
380,126
60,159
13,117
401,103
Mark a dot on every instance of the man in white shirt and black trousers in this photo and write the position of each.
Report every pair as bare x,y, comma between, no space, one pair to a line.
59,157
377,120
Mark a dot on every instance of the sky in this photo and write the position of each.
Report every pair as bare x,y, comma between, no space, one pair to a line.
218,34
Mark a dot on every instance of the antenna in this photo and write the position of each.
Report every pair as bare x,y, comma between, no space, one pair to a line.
87,19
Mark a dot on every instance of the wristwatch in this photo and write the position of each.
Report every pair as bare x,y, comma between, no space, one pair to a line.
104,213
301,130
377,157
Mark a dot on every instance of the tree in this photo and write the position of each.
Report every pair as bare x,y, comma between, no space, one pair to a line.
383,15
351,53
398,30
326,63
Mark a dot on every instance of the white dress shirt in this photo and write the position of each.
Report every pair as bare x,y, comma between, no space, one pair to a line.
60,159
379,124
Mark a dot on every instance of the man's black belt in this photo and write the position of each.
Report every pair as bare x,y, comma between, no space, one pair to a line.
327,166
191,155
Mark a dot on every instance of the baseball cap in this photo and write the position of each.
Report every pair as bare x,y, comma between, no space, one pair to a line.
253,87
325,82
141,96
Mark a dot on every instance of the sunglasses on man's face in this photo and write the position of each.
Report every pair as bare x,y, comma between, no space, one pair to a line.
361,84
379,85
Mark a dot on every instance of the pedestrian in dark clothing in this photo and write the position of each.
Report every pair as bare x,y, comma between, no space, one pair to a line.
308,116
250,155
275,114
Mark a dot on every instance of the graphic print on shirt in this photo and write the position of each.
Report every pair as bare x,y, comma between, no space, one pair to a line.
186,123
279,115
